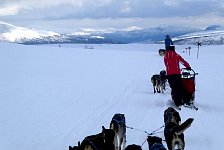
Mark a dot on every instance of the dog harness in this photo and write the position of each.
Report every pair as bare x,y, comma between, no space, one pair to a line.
157,146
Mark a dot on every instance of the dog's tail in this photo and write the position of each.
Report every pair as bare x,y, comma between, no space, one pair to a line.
179,130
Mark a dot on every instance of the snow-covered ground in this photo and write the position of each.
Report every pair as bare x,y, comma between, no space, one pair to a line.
52,97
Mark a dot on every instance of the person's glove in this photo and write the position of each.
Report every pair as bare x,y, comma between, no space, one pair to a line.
188,68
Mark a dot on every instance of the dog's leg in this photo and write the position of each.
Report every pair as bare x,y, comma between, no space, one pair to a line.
164,85
120,142
158,86
153,84
158,89
116,142
180,145
124,142
161,87
169,139
173,144
154,88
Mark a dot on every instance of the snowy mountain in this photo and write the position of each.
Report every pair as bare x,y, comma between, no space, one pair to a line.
207,37
16,34
181,35
11,33
215,27
149,35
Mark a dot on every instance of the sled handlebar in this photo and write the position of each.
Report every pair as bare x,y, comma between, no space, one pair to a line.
194,73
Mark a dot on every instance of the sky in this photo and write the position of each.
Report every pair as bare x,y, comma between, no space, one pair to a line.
52,97
70,15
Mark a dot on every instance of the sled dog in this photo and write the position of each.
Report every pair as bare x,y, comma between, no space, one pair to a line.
155,79
101,141
163,80
119,126
155,143
174,129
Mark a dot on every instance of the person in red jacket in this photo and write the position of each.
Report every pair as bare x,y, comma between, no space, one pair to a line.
172,62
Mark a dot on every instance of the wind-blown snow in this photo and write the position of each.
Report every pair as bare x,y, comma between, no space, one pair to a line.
52,97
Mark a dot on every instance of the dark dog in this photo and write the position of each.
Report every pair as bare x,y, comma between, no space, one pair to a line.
119,126
163,80
173,131
101,141
155,79
161,52
155,143
159,82
133,147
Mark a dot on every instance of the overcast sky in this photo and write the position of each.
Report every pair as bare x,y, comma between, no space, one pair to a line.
70,15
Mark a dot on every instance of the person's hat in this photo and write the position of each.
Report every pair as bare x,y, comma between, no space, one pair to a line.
167,36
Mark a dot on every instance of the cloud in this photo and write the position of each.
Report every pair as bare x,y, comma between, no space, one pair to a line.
172,3
110,8
10,10
114,13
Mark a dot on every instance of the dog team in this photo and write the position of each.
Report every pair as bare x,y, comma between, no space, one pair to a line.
115,137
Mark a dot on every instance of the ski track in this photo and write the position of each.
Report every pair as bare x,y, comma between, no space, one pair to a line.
71,93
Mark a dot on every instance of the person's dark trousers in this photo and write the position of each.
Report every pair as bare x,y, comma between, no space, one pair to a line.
177,91
167,47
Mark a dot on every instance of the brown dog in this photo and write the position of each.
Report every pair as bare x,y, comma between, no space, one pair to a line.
173,131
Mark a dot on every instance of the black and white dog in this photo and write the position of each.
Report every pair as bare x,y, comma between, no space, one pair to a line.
161,52
159,82
118,124
155,143
101,141
163,80
173,131
155,79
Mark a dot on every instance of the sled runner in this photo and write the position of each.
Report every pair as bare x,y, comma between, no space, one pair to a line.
188,81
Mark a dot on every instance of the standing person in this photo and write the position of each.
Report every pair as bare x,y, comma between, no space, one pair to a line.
172,62
168,42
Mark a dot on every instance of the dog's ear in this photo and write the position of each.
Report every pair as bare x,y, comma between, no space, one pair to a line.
158,139
103,128
149,138
70,148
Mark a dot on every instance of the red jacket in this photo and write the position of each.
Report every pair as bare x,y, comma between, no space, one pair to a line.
172,61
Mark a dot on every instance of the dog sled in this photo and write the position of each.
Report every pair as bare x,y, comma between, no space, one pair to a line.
188,81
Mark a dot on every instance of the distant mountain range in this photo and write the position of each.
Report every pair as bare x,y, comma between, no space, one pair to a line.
207,37
180,35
